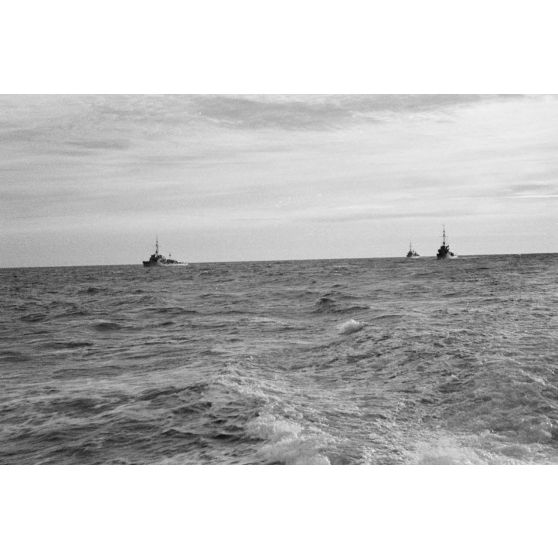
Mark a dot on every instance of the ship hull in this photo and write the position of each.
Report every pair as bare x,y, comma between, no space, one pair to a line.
158,260
158,264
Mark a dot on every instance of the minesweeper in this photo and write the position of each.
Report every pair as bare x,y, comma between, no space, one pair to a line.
444,252
412,253
157,259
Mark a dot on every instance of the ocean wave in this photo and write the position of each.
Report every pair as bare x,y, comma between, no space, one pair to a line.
68,344
14,356
34,317
287,442
92,290
283,364
483,448
327,304
350,326
72,313
171,310
106,326
449,450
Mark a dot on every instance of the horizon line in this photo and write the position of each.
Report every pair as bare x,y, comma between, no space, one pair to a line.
283,260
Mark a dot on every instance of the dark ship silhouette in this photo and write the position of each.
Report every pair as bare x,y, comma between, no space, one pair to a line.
444,252
412,253
157,259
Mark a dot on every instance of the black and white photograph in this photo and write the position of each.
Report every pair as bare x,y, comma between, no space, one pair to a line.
278,279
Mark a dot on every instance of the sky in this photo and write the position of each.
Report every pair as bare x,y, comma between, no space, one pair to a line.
93,179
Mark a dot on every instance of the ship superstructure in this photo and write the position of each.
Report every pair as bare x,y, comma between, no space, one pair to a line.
444,251
412,253
158,259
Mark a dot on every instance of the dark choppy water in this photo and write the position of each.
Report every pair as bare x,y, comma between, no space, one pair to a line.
348,361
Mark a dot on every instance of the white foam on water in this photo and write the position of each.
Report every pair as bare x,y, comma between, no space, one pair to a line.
446,451
350,326
484,448
179,459
288,442
244,387
268,427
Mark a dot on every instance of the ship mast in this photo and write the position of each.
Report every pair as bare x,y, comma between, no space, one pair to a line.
157,245
444,236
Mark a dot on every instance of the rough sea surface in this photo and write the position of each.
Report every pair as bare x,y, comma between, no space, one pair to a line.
341,361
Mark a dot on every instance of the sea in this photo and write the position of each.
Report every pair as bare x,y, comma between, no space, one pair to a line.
361,361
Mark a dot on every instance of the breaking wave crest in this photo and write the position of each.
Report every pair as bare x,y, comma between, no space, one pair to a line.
350,326
287,442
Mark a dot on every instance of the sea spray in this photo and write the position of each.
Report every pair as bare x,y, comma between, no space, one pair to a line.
287,443
350,326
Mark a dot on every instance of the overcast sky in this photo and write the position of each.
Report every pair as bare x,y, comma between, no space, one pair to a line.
93,179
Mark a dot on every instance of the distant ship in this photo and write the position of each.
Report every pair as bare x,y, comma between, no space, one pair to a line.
412,253
157,259
444,252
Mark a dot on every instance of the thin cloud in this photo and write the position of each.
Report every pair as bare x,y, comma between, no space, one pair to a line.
94,145
536,190
315,112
